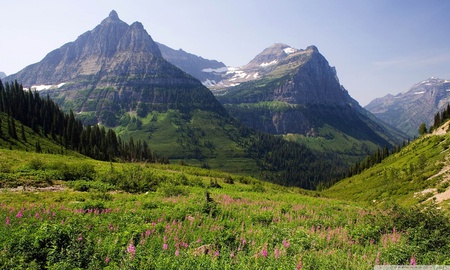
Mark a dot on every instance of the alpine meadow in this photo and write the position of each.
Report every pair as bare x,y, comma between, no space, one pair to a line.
118,152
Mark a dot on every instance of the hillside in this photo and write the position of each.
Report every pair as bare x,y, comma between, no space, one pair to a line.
417,174
75,212
407,110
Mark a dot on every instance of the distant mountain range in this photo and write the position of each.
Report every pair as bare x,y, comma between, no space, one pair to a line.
419,104
204,70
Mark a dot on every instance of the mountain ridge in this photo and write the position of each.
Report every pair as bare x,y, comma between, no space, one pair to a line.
419,104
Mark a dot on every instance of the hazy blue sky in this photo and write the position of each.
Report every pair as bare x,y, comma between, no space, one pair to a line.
378,47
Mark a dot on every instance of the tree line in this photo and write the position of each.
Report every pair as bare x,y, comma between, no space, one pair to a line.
46,119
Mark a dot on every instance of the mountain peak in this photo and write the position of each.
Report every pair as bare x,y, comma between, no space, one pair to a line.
137,25
113,15
313,48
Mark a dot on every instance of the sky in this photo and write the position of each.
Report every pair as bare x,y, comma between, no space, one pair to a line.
378,47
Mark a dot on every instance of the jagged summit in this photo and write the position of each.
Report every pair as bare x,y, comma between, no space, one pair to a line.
113,15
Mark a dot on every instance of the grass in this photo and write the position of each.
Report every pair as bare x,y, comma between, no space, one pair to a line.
330,140
201,139
399,177
151,216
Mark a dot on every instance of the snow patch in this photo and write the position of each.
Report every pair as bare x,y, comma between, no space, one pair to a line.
46,87
221,69
209,82
289,50
419,93
255,76
269,63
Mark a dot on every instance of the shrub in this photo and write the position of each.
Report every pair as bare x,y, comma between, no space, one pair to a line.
36,164
228,179
76,171
171,191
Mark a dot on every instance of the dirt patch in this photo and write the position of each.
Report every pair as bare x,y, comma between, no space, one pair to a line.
33,189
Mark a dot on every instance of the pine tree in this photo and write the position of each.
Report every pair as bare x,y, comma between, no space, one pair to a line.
422,129
22,129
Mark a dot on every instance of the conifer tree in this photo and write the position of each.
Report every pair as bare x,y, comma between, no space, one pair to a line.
22,129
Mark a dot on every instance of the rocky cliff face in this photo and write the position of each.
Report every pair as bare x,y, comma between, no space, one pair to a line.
112,69
419,104
299,92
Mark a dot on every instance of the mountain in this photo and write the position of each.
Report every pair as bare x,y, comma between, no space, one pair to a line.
205,70
115,76
112,69
2,75
419,104
295,93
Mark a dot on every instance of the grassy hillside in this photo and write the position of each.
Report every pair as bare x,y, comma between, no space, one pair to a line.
415,174
95,215
329,140
201,138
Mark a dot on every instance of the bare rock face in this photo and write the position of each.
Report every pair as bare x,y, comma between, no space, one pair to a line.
419,104
296,91
112,69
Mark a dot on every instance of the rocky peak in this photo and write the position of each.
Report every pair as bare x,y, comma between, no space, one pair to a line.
112,18
113,44
271,55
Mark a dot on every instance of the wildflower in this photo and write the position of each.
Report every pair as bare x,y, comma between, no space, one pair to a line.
286,243
264,253
107,260
165,246
80,237
8,221
131,249
19,214
232,254
377,260
277,253
177,252
199,240
217,253
37,215
412,261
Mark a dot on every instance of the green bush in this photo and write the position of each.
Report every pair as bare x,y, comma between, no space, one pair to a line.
36,164
171,190
71,172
